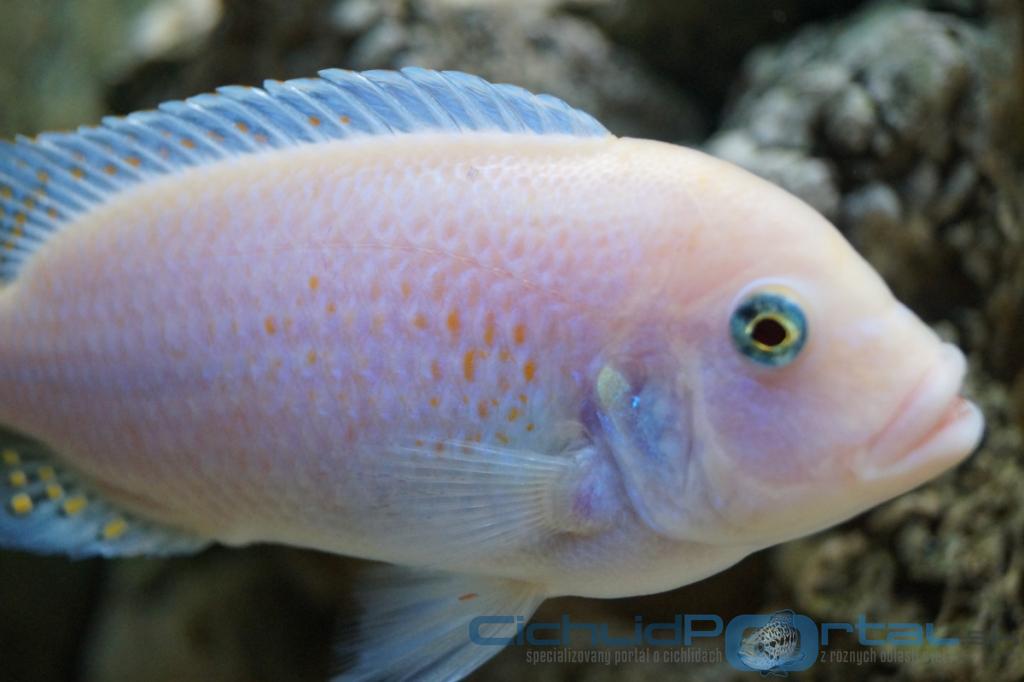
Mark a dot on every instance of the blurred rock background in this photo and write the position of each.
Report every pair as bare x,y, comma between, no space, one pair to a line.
901,121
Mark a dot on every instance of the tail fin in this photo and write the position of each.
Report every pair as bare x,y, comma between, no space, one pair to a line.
49,510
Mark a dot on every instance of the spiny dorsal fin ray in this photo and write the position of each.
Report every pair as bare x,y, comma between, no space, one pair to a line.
48,180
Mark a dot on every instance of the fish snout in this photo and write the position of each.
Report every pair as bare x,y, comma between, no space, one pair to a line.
932,430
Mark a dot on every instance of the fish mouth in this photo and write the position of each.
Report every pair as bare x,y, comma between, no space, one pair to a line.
933,430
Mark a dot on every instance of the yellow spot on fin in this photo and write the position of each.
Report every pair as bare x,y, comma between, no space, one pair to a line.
21,504
11,457
17,479
74,505
114,529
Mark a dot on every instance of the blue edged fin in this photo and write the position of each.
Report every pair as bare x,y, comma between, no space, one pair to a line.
416,625
47,180
48,510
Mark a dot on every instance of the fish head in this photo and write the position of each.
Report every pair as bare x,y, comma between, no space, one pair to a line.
756,652
793,390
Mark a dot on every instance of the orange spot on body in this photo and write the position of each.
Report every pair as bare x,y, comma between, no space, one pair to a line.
187,143
513,414
77,173
529,370
502,437
482,409
504,355
419,321
133,161
406,290
242,127
314,283
52,212
42,176
489,330
345,120
110,169
270,325
468,596
331,308
435,401
435,370
519,334
314,121
453,322
469,365
522,398
529,427
311,357
261,139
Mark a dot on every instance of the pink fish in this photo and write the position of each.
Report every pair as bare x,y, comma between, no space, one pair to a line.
449,325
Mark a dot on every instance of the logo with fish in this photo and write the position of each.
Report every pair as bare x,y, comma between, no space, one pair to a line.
772,644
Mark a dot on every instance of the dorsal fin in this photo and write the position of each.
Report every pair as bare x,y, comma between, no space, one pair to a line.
48,180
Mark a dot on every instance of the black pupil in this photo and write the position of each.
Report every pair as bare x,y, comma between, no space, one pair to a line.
768,332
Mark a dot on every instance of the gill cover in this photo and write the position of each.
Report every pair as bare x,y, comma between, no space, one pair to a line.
646,425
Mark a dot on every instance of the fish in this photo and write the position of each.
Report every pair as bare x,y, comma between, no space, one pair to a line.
773,646
451,327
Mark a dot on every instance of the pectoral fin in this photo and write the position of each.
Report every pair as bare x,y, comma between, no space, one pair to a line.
481,501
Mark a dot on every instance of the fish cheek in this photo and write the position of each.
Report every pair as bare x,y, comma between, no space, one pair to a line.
758,427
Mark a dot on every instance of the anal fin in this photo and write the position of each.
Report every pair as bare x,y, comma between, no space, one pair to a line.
48,509
417,624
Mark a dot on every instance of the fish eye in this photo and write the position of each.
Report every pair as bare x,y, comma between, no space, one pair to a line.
769,328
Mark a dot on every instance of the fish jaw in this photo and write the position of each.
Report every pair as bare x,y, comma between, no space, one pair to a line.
934,430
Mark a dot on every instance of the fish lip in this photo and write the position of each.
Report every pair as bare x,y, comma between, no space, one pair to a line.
932,430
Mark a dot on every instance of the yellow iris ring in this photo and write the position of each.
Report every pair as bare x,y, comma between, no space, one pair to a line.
791,330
